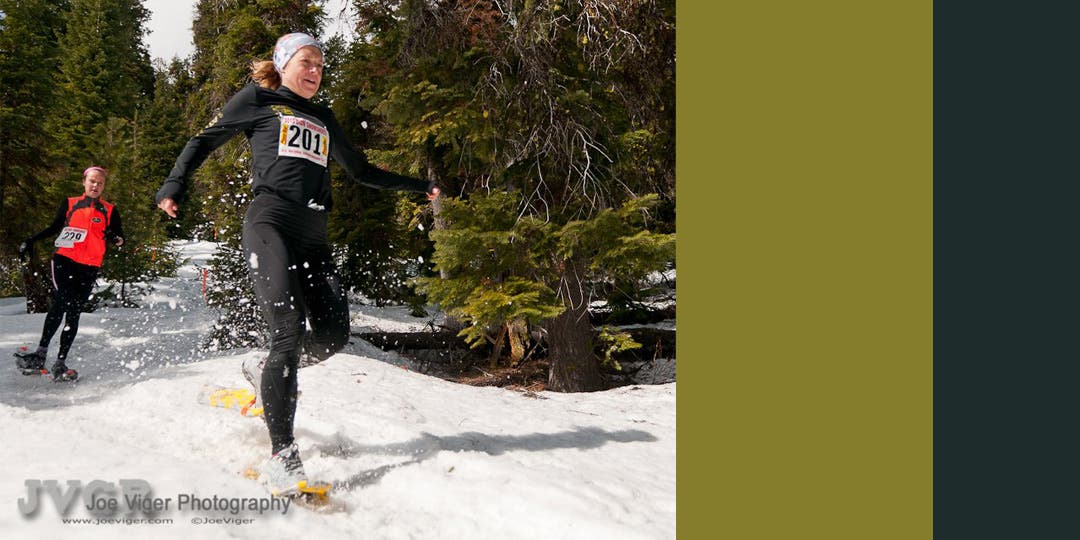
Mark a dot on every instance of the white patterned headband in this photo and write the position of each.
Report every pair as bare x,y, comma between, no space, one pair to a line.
287,46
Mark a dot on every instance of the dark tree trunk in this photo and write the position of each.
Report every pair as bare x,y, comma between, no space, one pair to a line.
574,367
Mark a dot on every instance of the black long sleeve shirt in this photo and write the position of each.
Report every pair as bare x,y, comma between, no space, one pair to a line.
291,141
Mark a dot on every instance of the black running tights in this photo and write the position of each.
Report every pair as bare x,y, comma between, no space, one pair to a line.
294,283
73,284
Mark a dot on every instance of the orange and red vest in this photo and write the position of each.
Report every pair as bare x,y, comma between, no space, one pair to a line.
93,217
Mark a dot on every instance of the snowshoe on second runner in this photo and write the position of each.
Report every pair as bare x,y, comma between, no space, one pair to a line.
30,363
62,373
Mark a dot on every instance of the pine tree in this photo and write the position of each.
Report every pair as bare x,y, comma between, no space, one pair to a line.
571,103
165,131
30,33
509,271
568,104
381,242
105,81
145,255
104,73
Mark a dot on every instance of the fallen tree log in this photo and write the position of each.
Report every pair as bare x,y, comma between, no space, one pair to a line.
413,340
654,342
641,316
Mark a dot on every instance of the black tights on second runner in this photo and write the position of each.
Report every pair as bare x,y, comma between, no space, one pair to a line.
73,282
294,282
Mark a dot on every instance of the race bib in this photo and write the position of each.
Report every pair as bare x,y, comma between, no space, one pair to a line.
70,236
303,139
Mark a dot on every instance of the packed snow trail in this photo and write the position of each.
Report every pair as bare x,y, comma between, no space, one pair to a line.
418,457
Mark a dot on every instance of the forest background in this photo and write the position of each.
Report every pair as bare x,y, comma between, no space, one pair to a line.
548,124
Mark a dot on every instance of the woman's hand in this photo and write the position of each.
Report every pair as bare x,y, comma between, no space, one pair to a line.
431,195
169,206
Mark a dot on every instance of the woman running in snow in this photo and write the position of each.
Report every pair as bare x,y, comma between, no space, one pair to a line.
284,230
85,225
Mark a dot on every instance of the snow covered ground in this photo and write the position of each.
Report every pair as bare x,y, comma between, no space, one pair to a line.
424,458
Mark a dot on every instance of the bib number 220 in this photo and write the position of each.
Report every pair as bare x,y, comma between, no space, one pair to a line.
70,236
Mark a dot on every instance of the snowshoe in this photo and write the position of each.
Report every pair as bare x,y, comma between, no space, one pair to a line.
315,496
62,373
275,475
241,399
30,363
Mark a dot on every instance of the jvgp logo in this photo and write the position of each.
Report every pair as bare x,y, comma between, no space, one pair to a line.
100,498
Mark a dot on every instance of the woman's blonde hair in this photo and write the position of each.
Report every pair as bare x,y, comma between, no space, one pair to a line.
265,75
